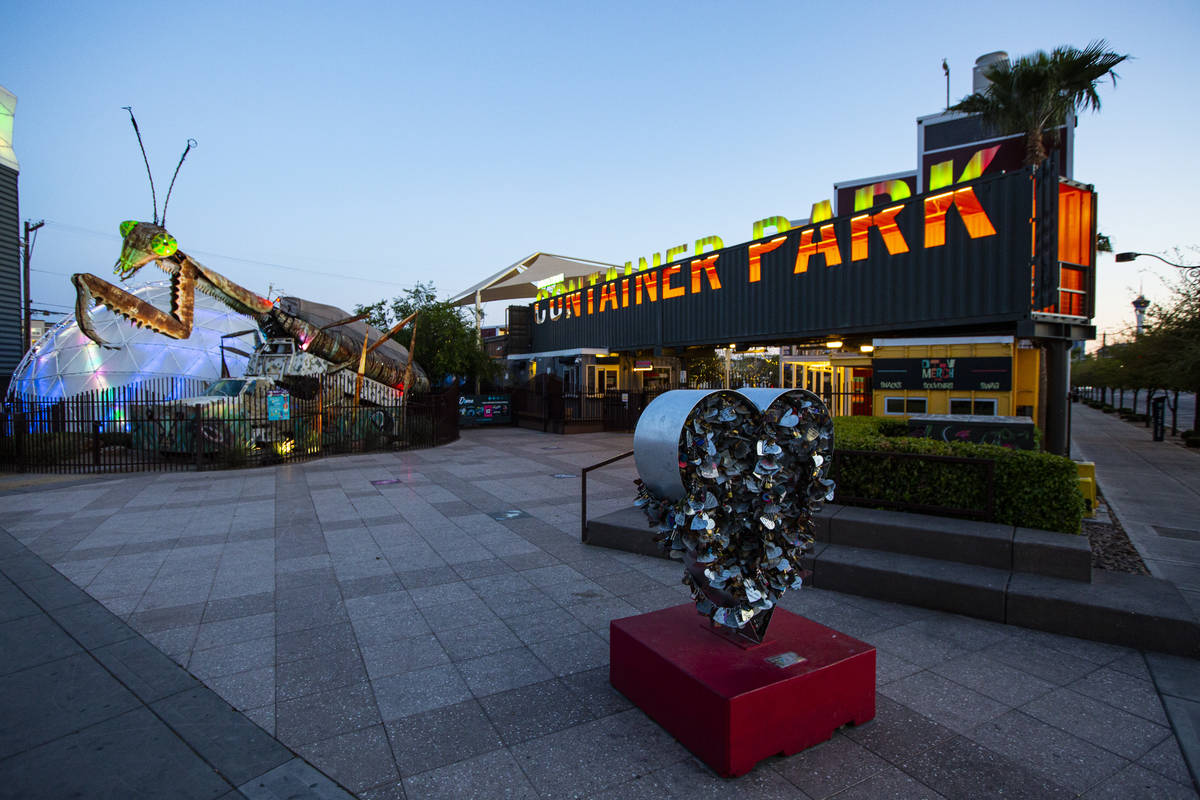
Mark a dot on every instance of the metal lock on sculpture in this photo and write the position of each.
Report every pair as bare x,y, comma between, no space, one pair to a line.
731,479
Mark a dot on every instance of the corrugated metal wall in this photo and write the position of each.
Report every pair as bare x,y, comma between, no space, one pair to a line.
966,282
10,276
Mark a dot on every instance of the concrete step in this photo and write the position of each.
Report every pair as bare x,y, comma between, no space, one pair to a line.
985,544
1131,610
968,589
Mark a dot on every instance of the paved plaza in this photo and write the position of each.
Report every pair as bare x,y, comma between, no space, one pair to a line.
428,625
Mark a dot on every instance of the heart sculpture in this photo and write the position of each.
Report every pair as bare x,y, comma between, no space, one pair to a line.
731,480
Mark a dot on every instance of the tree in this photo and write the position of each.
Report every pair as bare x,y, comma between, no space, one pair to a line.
447,346
1173,339
1034,93
704,368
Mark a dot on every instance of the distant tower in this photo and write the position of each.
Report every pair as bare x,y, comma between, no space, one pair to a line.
1140,304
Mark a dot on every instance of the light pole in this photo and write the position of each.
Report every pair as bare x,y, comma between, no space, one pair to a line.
1193,271
27,255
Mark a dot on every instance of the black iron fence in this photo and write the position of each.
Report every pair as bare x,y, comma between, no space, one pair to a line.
544,404
168,425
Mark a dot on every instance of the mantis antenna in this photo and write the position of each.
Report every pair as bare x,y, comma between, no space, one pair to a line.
153,197
190,144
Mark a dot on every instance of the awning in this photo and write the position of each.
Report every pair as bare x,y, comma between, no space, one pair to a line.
519,281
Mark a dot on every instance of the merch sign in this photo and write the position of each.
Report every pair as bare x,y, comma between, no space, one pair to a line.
942,374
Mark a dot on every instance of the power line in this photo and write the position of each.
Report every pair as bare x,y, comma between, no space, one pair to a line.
211,254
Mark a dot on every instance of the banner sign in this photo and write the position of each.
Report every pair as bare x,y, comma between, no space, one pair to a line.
484,409
960,254
279,408
942,374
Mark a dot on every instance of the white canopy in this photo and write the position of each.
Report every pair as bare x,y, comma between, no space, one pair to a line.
520,280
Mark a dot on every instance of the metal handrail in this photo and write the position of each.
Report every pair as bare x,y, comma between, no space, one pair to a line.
583,492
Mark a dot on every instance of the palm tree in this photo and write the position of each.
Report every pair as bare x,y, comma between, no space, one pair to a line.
1034,93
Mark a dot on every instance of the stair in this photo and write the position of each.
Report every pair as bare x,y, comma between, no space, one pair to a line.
1019,576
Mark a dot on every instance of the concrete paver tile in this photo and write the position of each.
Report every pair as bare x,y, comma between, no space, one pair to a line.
1099,723
32,640
409,693
830,767
441,736
329,670
498,672
958,708
590,757
491,775
320,716
1060,757
245,690
137,753
357,760
1135,781
994,679
958,767
51,699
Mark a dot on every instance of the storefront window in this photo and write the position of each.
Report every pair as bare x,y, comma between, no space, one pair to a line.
965,405
601,379
904,405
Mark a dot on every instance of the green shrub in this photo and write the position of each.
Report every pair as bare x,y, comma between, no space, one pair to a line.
1032,489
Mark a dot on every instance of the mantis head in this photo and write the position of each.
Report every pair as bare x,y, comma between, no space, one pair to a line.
143,242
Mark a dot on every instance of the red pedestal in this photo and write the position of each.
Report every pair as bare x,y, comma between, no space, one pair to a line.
729,704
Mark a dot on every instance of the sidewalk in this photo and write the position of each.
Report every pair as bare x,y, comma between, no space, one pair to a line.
427,625
1153,488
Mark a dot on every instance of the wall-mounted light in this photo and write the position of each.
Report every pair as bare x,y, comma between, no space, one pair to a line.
834,344
867,348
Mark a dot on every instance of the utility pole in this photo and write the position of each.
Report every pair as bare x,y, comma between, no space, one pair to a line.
946,69
28,316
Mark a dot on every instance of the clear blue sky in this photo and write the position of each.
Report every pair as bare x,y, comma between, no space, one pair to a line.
388,143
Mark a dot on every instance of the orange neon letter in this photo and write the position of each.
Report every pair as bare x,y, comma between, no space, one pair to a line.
608,294
573,305
591,297
647,281
705,266
827,246
756,253
885,221
667,289
969,209
625,293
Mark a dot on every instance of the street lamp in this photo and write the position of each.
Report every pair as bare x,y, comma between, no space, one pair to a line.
1193,271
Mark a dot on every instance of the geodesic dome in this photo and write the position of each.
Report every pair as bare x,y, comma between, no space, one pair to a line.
64,362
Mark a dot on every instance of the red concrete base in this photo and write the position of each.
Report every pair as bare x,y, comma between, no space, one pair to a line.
729,704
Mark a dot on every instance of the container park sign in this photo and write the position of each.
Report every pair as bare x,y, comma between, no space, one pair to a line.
484,409
961,255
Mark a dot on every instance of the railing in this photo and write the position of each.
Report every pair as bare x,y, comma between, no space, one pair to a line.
583,492
549,407
160,427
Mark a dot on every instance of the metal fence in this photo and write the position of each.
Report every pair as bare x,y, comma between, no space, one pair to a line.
545,405
166,425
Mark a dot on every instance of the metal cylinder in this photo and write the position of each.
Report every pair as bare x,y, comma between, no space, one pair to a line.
656,438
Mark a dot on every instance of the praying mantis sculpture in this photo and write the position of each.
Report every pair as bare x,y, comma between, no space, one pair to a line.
144,242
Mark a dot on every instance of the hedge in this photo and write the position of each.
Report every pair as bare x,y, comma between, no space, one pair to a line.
1033,489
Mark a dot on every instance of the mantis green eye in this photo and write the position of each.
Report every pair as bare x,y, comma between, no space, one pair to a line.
127,226
163,245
